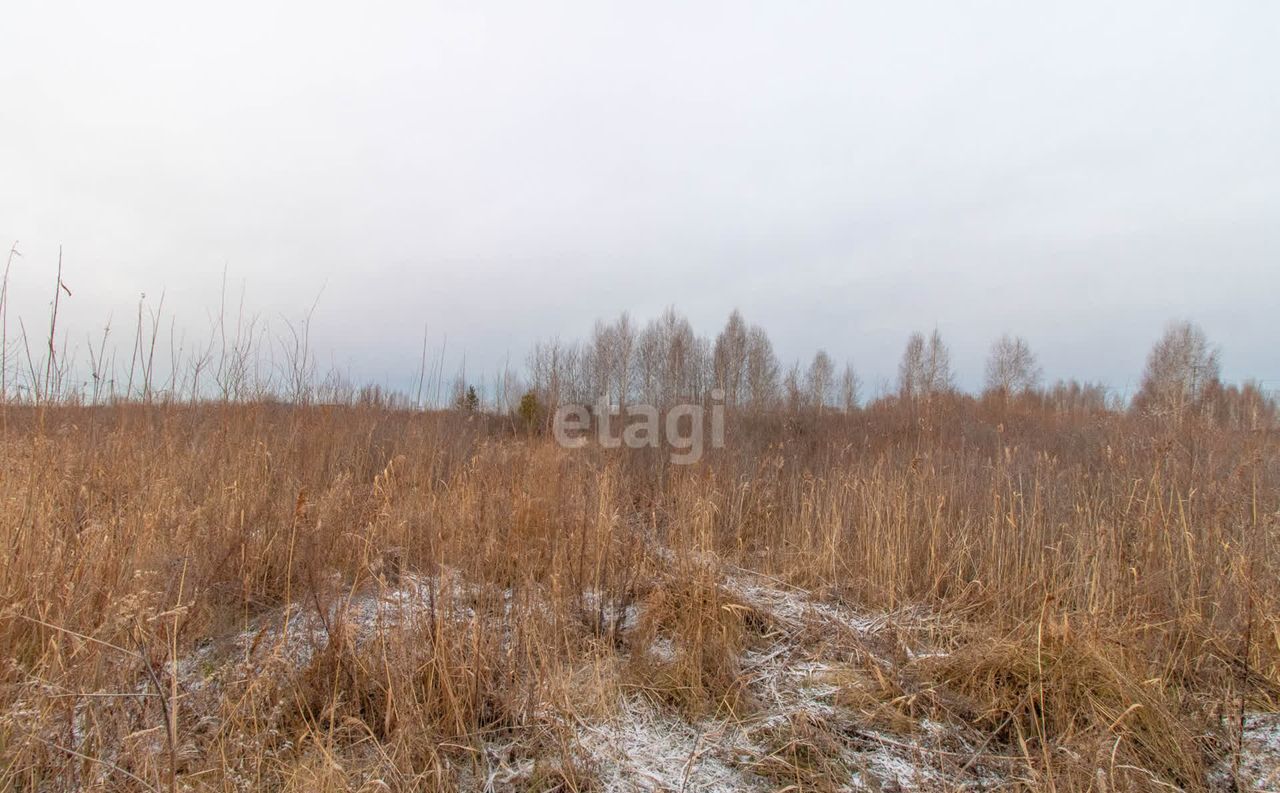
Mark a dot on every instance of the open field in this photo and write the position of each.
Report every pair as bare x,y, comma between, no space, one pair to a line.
700,397
963,595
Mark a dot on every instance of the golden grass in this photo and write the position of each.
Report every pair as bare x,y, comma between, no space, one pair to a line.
182,590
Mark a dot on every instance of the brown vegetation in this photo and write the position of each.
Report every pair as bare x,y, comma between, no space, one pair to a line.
230,576
1087,600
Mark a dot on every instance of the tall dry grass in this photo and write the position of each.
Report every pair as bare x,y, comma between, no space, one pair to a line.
1110,588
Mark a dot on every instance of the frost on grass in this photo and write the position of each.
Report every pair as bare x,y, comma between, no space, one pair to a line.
793,607
806,729
645,749
294,634
820,681
1256,767
798,728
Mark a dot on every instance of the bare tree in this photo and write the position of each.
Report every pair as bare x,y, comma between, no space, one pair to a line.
938,360
730,357
553,372
597,361
1246,406
1181,368
850,386
911,368
681,358
651,351
624,348
703,367
792,388
762,369
1012,367
820,379
609,360
1073,396
925,369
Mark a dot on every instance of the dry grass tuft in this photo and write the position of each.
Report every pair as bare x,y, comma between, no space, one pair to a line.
1072,703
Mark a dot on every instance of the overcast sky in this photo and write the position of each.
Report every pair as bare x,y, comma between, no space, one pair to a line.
844,173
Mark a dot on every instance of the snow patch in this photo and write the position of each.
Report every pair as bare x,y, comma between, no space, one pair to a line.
1258,766
643,749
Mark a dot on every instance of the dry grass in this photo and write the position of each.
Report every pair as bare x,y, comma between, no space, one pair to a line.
257,596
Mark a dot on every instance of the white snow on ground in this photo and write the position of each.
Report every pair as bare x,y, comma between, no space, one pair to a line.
794,683
645,749
642,749
362,614
794,688
1258,766
793,607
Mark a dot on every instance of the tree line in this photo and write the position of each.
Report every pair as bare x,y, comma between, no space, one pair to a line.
663,362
